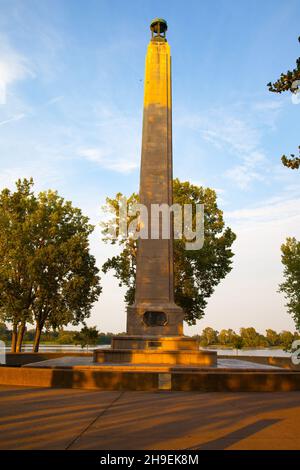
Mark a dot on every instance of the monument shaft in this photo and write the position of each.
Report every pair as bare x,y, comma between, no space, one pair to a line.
154,310
154,321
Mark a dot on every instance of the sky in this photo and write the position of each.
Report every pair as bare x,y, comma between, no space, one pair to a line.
71,97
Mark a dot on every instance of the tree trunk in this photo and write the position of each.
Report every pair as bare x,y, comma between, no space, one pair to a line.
14,338
21,332
37,337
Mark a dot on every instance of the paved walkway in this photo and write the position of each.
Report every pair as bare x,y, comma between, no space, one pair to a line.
87,362
35,418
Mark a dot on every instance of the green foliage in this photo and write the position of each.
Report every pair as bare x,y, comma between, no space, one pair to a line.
291,285
288,82
65,337
54,337
196,272
208,337
86,337
237,342
292,162
286,339
251,338
17,252
226,337
47,274
5,334
248,338
272,337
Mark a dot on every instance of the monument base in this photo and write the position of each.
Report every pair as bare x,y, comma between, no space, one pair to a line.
173,350
155,319
154,342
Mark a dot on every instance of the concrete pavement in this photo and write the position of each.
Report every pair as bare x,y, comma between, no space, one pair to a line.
38,418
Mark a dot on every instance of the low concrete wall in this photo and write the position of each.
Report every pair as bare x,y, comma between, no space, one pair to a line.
237,382
284,362
83,379
20,359
213,381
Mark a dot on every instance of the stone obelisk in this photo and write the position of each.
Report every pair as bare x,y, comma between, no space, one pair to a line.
154,321
154,311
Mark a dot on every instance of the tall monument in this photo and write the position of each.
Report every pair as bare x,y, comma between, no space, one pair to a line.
154,311
154,321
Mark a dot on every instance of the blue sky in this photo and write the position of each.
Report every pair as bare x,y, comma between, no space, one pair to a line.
71,92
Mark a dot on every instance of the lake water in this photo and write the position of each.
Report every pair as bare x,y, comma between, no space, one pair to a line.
252,352
62,348
231,352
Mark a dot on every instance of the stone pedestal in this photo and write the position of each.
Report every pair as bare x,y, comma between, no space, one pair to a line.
154,319
171,350
167,343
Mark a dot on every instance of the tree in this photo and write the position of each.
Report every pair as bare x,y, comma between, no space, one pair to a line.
86,337
237,343
68,281
209,336
272,337
289,81
286,340
226,337
196,272
16,257
4,333
291,286
250,337
47,275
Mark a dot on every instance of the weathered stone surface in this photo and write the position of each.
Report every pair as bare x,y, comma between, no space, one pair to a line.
154,313
154,272
156,356
155,342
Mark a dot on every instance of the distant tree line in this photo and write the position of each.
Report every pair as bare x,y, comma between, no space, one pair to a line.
228,338
85,336
247,338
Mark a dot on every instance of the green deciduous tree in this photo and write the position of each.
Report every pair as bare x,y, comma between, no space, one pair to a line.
289,81
237,342
47,275
16,257
5,334
226,337
250,337
291,285
86,337
68,280
209,336
196,272
286,339
272,337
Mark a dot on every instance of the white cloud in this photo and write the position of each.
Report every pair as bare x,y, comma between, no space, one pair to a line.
13,67
243,176
109,159
278,209
54,100
17,117
267,105
117,139
235,133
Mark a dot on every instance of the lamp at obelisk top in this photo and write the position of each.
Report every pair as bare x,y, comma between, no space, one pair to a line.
154,311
